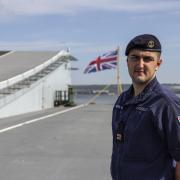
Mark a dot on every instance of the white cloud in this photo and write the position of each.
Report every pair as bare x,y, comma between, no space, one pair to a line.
77,47
35,7
38,45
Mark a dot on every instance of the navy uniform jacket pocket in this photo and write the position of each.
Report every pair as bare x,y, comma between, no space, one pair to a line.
142,140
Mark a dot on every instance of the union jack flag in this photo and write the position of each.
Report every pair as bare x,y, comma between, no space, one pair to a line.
106,61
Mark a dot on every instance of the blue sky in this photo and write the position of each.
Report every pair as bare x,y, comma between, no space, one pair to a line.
91,28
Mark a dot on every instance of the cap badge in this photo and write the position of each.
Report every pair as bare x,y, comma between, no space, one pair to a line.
150,44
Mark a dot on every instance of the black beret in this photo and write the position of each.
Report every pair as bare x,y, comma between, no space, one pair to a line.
146,42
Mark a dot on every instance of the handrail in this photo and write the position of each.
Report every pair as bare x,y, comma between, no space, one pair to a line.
20,77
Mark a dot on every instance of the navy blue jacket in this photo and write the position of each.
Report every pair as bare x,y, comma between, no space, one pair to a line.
146,134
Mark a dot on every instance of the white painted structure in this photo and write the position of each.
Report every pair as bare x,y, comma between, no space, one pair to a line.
40,94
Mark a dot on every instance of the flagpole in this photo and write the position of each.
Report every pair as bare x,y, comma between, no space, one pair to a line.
119,86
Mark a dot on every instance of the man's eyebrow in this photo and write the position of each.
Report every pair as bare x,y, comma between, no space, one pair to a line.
141,56
133,55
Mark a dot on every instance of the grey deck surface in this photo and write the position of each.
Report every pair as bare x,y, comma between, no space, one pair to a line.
72,146
15,63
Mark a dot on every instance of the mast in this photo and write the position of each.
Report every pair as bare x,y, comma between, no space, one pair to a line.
119,86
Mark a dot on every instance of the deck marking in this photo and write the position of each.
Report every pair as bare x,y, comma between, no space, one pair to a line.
41,118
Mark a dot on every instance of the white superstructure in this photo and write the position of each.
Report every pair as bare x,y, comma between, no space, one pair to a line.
29,80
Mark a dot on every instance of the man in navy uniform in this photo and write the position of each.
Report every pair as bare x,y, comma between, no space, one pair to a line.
146,119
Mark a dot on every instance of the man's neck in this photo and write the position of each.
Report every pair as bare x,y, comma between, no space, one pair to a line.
138,88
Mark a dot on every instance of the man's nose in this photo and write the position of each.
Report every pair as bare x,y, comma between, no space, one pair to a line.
140,62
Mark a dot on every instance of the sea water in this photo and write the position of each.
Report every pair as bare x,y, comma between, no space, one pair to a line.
101,99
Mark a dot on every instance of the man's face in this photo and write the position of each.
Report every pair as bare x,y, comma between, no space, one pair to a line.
142,65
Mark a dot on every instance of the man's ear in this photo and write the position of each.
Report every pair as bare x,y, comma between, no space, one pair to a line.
159,62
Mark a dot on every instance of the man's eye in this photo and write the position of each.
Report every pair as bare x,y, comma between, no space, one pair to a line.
148,59
133,58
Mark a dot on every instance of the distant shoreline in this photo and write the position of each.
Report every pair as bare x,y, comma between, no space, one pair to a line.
112,89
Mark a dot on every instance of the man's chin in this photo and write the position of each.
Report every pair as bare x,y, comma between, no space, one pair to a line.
140,81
